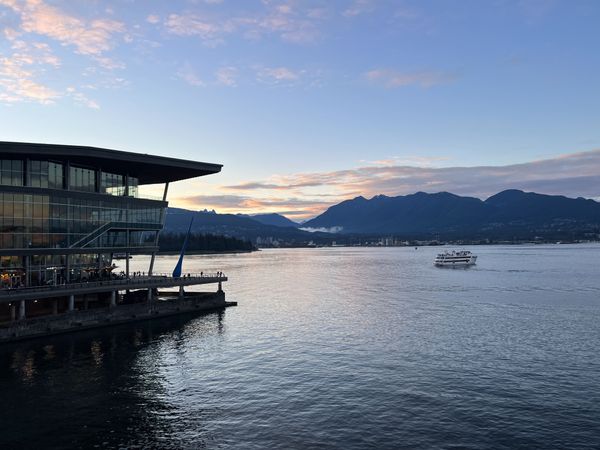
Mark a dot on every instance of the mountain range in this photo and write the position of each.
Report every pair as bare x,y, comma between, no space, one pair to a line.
236,225
423,214
275,219
508,214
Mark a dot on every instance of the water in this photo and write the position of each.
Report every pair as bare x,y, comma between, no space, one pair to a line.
333,348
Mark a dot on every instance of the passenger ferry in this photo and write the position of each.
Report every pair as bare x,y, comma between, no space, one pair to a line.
455,259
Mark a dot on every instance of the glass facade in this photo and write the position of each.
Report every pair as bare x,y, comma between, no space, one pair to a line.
51,175
37,221
68,213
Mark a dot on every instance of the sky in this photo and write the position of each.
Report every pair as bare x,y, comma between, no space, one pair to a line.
310,102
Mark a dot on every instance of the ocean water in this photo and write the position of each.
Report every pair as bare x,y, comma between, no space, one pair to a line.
333,348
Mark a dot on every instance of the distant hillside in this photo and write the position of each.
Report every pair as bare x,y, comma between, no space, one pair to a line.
203,243
274,219
507,213
178,221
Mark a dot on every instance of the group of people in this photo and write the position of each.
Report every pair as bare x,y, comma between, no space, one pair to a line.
12,281
218,275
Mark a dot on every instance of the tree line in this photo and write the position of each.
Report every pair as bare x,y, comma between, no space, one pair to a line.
170,242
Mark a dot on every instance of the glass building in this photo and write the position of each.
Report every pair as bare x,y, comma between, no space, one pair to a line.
67,211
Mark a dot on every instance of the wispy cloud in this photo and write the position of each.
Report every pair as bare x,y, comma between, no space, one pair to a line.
359,7
189,75
285,20
227,76
277,75
19,71
292,207
37,28
395,79
153,19
81,98
417,161
91,37
211,33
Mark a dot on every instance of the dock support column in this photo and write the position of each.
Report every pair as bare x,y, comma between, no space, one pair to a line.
28,270
149,295
220,287
22,315
113,299
71,303
13,313
68,274
55,306
181,292
162,222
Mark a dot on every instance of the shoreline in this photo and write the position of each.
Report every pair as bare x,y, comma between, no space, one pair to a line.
205,252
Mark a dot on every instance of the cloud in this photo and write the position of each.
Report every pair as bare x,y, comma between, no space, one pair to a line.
19,72
92,37
395,79
82,99
30,59
359,7
337,229
292,207
285,20
189,75
226,76
194,25
153,19
277,75
418,161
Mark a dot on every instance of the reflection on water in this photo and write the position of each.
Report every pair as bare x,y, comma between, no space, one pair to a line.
101,387
333,348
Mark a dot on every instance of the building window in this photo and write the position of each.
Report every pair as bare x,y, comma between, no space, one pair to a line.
132,186
11,172
55,176
112,184
46,174
81,179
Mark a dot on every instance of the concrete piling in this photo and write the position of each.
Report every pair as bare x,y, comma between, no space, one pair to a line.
22,315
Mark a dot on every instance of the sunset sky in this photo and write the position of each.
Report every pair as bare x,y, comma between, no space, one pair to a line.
309,102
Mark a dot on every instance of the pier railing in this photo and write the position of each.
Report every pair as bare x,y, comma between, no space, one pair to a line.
131,282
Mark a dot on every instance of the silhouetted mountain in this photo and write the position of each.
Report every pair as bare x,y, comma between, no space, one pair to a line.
178,221
272,219
422,214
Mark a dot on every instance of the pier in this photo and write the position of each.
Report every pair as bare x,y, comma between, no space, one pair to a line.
42,311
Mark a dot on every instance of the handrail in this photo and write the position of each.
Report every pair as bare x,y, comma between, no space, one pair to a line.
95,234
132,280
107,226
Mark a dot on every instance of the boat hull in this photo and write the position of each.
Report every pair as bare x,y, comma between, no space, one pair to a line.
454,264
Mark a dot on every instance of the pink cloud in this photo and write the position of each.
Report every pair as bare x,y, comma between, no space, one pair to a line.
92,37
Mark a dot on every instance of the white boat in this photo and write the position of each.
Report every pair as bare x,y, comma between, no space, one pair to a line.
455,259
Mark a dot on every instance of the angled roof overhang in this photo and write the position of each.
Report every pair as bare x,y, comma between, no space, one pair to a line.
148,169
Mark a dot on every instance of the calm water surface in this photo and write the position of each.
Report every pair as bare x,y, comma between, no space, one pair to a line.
333,348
